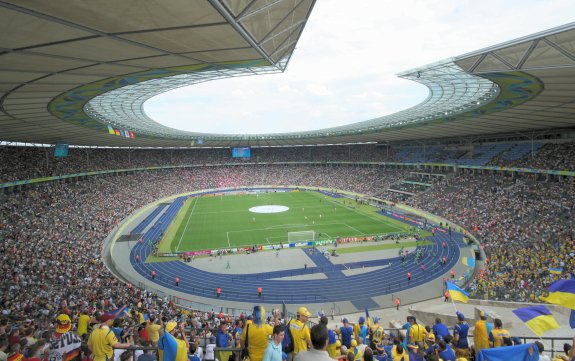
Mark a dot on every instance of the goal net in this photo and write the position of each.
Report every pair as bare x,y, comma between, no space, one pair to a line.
301,236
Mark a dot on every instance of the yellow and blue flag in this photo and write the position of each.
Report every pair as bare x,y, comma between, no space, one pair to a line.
556,271
468,261
562,293
538,318
367,318
456,293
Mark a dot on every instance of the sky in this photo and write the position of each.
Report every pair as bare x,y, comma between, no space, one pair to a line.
344,67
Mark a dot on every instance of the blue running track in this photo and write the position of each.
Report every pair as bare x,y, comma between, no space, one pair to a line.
336,287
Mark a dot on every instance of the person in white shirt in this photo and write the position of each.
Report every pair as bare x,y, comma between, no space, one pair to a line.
210,349
319,339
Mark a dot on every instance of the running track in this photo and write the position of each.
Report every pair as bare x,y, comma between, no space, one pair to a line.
337,287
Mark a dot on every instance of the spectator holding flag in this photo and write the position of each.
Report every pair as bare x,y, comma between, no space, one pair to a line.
360,329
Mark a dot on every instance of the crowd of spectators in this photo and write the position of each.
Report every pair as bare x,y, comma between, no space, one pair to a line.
550,156
525,227
19,163
509,217
51,235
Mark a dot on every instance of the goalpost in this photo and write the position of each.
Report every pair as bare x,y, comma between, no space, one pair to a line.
302,236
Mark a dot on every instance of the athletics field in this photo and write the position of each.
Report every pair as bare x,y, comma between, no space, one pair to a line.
243,220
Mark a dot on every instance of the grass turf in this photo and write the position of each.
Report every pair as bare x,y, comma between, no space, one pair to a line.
213,222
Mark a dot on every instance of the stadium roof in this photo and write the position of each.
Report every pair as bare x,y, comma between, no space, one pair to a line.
79,72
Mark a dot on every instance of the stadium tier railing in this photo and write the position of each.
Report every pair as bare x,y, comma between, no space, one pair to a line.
553,345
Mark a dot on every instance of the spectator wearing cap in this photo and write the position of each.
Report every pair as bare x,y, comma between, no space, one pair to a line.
300,332
430,346
460,332
415,339
167,345
319,339
498,334
274,350
102,340
376,334
481,333
65,344
257,332
360,329
380,353
345,331
210,349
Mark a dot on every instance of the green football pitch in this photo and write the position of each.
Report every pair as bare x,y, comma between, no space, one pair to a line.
214,222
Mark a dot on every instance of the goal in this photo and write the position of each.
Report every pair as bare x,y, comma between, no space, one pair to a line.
301,236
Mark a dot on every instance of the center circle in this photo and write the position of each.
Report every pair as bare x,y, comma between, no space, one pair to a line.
269,209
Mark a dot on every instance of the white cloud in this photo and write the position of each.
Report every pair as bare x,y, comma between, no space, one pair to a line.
343,69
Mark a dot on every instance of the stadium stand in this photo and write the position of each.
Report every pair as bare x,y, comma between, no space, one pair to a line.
65,222
59,297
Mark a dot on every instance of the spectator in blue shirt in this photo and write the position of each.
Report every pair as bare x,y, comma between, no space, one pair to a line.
440,330
345,331
445,351
222,339
460,341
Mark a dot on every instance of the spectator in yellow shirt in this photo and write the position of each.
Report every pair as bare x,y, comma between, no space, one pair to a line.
256,334
102,340
153,329
300,332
